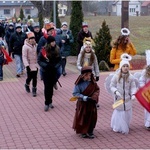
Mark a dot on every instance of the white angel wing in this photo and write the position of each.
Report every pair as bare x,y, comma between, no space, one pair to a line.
107,82
137,75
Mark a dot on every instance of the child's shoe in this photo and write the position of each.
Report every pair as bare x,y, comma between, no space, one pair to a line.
84,135
46,108
91,136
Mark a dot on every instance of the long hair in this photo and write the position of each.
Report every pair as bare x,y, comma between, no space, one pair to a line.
122,75
121,41
49,49
92,57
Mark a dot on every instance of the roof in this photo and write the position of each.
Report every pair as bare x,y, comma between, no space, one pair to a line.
15,3
146,3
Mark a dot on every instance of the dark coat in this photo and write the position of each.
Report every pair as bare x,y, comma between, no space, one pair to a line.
80,38
66,47
16,42
9,32
86,112
38,35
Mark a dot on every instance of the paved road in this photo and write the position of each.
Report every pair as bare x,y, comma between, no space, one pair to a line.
25,125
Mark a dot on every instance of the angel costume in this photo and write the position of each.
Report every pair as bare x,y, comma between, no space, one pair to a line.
124,83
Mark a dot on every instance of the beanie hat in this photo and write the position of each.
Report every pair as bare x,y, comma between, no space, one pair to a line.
64,24
50,39
30,35
125,60
11,24
36,24
86,69
49,27
84,24
18,25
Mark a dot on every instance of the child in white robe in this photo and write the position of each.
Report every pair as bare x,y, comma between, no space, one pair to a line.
123,87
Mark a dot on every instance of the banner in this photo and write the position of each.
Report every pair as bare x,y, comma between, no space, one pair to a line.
143,96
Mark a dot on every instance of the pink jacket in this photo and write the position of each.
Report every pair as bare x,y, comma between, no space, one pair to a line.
29,55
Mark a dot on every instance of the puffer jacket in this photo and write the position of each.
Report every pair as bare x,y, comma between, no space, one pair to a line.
29,55
115,54
130,89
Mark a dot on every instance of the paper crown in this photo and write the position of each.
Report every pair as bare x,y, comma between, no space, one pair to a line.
88,39
125,58
87,43
49,26
30,35
84,24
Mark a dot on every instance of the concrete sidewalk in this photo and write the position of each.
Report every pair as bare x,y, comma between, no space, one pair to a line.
25,125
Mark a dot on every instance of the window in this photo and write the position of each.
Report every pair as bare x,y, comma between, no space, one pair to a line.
27,11
6,11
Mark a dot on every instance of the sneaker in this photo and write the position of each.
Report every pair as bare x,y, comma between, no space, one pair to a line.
147,128
84,135
91,135
55,86
115,130
46,108
51,106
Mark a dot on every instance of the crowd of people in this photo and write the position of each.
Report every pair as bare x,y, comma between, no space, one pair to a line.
47,50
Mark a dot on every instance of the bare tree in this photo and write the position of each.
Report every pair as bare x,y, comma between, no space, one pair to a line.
45,8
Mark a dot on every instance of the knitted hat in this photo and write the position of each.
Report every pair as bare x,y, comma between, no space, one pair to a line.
84,24
86,69
50,39
125,60
49,27
36,24
64,24
11,24
18,25
87,43
30,35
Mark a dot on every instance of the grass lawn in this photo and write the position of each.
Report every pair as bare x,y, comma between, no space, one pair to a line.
139,27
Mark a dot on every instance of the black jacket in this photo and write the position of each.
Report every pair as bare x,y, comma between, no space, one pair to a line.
16,42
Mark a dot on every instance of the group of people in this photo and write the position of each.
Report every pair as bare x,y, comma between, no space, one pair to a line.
49,48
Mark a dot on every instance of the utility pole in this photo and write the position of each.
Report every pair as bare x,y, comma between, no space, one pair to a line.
54,12
125,14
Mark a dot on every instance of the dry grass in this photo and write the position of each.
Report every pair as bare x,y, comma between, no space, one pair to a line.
139,27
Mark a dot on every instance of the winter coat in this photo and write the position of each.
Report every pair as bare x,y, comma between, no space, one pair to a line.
29,55
16,42
49,64
9,32
43,41
95,67
38,35
86,111
81,36
115,54
130,89
68,38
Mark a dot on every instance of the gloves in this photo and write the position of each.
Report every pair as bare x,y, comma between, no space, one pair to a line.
28,69
97,78
86,98
133,98
118,94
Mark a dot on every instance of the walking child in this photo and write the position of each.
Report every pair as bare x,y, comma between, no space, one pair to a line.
29,56
123,88
87,92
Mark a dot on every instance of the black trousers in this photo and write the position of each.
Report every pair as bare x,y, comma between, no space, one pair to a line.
49,79
32,75
64,60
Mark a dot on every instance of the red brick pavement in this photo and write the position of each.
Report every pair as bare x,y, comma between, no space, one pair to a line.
25,125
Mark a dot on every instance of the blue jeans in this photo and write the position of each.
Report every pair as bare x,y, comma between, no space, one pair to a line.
19,63
1,71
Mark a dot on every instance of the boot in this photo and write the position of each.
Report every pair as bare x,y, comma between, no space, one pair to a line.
34,91
27,88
